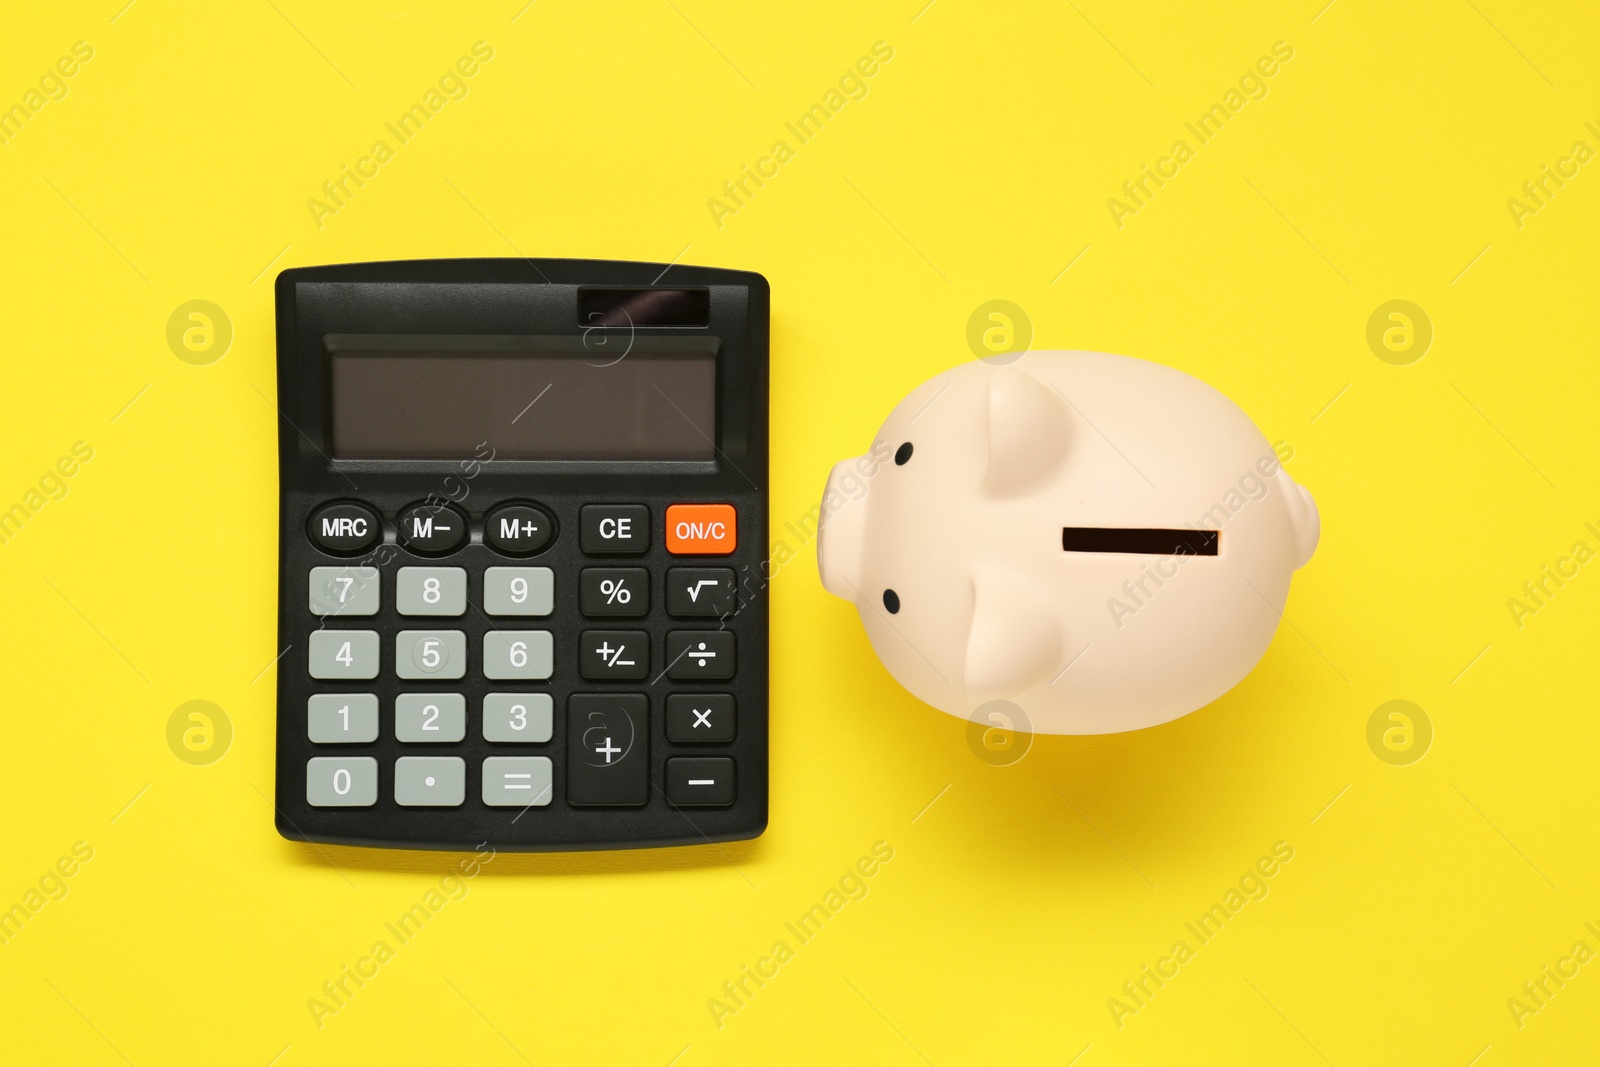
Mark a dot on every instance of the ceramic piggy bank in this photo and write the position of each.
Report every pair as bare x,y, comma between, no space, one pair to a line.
1104,542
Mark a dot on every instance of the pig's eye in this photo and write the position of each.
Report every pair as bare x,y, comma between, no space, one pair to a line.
891,599
902,454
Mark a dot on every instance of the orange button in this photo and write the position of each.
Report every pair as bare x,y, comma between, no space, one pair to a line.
701,529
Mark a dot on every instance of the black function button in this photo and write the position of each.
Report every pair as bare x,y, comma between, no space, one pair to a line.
344,529
608,757
622,529
614,591
614,655
431,529
700,717
701,592
693,654
700,782
517,529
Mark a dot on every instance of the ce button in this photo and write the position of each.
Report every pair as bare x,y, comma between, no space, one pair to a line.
614,529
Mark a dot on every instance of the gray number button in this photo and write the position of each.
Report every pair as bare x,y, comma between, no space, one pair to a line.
430,717
516,781
342,718
513,717
430,781
518,590
516,654
342,782
344,591
431,591
342,654
430,654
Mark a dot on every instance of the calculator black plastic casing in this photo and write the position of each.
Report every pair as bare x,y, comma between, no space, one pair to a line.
518,297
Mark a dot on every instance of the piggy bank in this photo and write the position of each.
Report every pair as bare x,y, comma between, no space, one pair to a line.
1104,542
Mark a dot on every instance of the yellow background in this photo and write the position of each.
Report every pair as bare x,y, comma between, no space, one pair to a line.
978,166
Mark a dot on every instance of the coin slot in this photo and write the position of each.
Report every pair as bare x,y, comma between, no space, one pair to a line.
1140,542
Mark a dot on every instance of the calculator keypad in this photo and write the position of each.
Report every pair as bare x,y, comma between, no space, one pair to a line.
606,735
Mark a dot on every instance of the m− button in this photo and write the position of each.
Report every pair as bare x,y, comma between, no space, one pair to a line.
431,529
344,529
620,529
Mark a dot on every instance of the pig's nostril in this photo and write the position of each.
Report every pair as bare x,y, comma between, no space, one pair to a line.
902,454
891,599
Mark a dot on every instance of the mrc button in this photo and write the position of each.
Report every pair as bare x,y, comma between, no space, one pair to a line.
431,528
344,528
517,529
623,529
701,529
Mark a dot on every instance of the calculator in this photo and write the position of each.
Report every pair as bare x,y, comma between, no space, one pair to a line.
522,579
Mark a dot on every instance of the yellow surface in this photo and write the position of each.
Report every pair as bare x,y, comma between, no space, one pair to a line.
978,166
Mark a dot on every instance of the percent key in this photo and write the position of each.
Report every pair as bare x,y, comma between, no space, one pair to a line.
614,591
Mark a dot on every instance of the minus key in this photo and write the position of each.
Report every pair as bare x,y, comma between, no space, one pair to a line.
701,781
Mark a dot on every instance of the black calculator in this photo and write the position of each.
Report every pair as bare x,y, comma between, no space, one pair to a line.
522,521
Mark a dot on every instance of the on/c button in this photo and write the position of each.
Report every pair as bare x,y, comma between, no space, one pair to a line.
701,529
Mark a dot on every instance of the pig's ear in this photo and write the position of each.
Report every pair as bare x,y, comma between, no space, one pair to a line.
1304,519
1015,641
842,530
1028,432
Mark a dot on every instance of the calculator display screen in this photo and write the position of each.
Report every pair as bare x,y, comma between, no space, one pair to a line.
551,405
